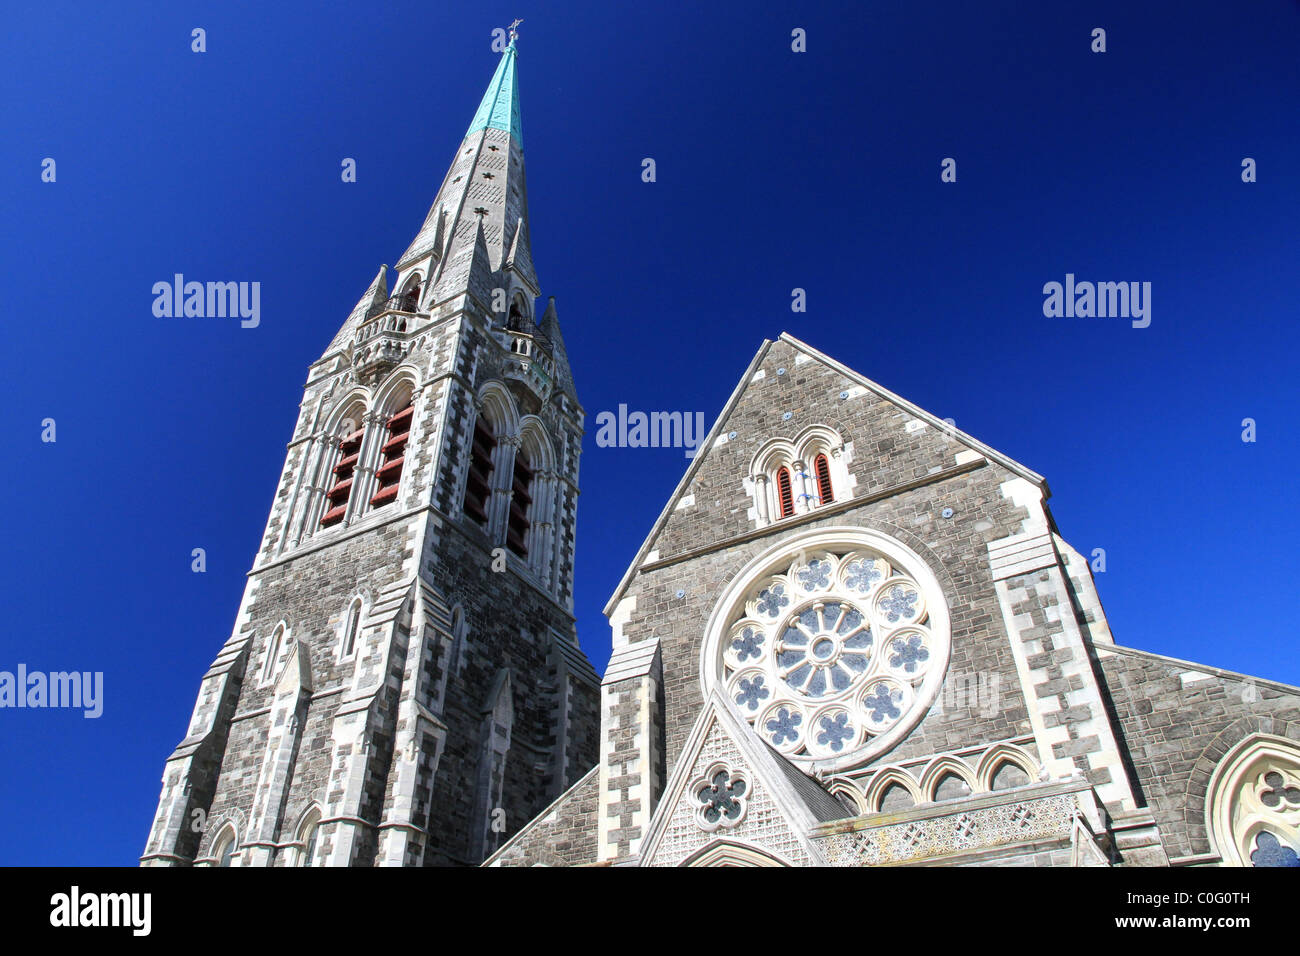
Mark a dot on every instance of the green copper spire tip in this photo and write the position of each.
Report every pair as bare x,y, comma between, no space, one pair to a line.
499,108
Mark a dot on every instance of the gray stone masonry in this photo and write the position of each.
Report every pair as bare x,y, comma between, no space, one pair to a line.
1176,721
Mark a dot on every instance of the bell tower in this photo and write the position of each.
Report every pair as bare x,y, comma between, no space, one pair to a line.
403,684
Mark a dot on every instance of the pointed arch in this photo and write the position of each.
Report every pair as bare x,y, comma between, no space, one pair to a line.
306,835
794,477
224,846
820,448
997,759
498,406
935,780
395,405
732,853
535,442
519,318
396,389
883,781
816,439
530,491
274,648
848,792
489,477
408,299
771,455
348,411
351,628
1252,806
344,437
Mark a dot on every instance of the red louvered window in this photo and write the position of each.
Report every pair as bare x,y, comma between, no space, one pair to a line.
822,468
392,456
478,485
517,528
784,494
336,499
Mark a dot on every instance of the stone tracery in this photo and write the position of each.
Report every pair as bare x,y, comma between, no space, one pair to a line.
828,653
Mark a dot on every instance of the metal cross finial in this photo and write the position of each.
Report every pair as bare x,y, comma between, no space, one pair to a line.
514,32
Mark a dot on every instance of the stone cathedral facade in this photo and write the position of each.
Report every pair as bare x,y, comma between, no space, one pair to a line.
403,684
854,636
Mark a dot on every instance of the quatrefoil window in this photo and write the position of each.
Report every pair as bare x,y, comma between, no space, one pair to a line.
721,797
831,652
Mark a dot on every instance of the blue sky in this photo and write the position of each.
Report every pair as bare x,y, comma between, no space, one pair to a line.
776,170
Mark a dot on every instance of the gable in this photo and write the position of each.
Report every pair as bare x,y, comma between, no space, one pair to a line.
762,825
730,792
788,391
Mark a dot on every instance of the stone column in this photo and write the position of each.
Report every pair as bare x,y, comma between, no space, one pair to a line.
760,498
503,477
363,473
799,487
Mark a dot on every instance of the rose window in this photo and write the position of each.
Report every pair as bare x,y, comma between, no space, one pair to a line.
830,654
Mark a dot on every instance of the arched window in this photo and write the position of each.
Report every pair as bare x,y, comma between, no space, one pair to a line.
307,834
223,850
350,628
784,493
520,499
517,320
410,298
336,499
478,484
272,652
459,631
393,454
822,470
1253,803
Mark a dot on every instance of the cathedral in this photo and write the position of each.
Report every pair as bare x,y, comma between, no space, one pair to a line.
854,635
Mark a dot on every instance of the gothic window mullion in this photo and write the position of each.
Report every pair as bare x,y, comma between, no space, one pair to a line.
319,463
323,460
503,469
365,470
519,523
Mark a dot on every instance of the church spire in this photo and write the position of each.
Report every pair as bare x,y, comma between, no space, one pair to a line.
499,108
482,205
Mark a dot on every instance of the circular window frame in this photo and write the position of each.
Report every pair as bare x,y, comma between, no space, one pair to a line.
730,608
